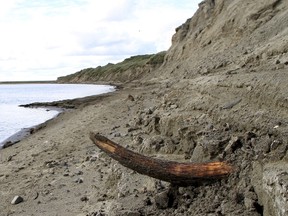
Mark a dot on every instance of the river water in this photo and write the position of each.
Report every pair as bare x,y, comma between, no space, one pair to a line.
14,118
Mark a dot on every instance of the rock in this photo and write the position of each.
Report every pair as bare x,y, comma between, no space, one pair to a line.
51,171
84,199
138,140
151,144
9,158
249,135
79,172
115,127
51,164
162,200
147,201
131,98
233,144
199,154
275,144
271,184
94,158
117,134
249,203
78,180
174,106
148,111
133,129
16,200
167,198
231,104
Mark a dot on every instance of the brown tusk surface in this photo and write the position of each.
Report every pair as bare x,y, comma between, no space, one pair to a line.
170,171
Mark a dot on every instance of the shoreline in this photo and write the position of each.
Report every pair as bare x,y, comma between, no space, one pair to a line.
28,82
61,106
26,132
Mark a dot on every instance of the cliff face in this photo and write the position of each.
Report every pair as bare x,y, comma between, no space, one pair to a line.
231,34
221,34
237,50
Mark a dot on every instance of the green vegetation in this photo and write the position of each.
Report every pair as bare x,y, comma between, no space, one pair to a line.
118,71
157,59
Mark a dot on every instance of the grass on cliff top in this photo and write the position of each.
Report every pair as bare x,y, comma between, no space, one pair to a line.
127,64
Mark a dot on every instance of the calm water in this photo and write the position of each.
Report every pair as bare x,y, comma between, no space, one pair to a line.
14,118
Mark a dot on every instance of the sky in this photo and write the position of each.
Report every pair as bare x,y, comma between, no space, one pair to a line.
45,39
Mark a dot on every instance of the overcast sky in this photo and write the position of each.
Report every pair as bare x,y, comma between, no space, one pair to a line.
45,39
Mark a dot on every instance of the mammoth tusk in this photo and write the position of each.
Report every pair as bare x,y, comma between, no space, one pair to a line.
170,171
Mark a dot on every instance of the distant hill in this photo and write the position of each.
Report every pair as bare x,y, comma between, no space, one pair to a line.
129,69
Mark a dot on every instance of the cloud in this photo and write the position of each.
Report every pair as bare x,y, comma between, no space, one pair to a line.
59,37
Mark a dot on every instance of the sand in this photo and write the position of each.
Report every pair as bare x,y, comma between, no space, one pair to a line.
59,171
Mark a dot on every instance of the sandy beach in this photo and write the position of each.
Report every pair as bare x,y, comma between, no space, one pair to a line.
59,166
59,171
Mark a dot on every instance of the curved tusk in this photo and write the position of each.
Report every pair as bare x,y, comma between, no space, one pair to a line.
170,171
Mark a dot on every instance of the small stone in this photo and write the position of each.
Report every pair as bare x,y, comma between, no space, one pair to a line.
117,134
249,135
84,199
174,106
131,129
115,127
275,144
233,144
79,172
138,140
277,61
51,171
79,180
148,111
147,201
249,88
51,164
93,158
249,203
131,98
16,200
162,200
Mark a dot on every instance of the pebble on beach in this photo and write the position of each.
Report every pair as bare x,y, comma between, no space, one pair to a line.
16,200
